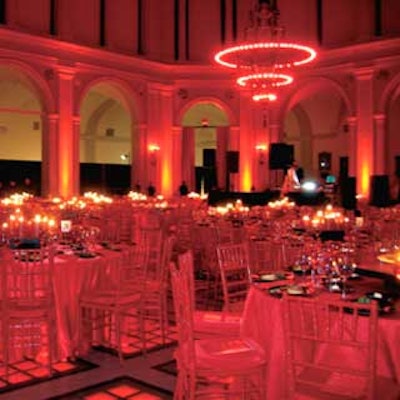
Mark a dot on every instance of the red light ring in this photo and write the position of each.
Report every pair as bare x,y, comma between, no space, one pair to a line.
273,79
223,57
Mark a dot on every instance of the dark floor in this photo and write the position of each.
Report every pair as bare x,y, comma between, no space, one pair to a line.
98,376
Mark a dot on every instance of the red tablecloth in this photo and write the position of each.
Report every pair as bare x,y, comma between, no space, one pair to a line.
262,321
72,275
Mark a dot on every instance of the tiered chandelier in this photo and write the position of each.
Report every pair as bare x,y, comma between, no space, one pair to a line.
265,60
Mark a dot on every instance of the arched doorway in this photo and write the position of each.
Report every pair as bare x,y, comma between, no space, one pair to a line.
107,150
21,111
392,148
316,125
205,142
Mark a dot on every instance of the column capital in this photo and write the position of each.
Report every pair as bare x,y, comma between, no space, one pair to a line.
52,116
364,74
159,88
351,120
65,72
176,130
379,117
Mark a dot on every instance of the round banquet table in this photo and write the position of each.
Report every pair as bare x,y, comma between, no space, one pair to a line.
262,321
73,274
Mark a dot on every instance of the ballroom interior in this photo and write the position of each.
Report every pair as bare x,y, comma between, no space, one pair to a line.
134,83
115,96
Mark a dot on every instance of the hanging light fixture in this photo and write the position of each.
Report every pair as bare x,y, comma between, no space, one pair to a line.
265,60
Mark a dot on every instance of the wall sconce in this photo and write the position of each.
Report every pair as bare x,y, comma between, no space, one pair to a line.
153,150
125,157
261,150
204,122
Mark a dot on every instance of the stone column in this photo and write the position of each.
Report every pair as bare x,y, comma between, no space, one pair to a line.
76,138
352,123
66,151
160,134
139,154
49,156
380,167
177,159
365,130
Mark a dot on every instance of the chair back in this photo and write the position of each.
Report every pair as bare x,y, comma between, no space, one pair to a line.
153,238
122,274
166,258
331,346
28,278
183,306
133,270
261,256
186,266
233,261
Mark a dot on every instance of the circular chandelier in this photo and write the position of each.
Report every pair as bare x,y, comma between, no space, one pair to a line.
261,84
265,60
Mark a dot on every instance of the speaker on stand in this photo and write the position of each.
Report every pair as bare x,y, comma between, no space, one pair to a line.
348,191
380,194
281,155
232,167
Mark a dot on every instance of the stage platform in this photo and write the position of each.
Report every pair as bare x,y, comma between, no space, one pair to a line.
216,197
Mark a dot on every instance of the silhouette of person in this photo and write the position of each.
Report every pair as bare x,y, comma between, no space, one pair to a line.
183,189
151,190
28,186
291,181
12,187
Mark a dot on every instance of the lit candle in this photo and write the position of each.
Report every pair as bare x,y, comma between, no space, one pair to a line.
20,225
37,220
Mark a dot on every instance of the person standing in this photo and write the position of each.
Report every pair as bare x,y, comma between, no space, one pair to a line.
151,190
291,182
183,189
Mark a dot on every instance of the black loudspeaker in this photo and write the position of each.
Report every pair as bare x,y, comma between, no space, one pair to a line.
348,190
397,166
232,161
209,157
281,155
380,192
343,167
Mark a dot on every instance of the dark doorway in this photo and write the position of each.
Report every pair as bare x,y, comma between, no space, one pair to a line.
206,179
